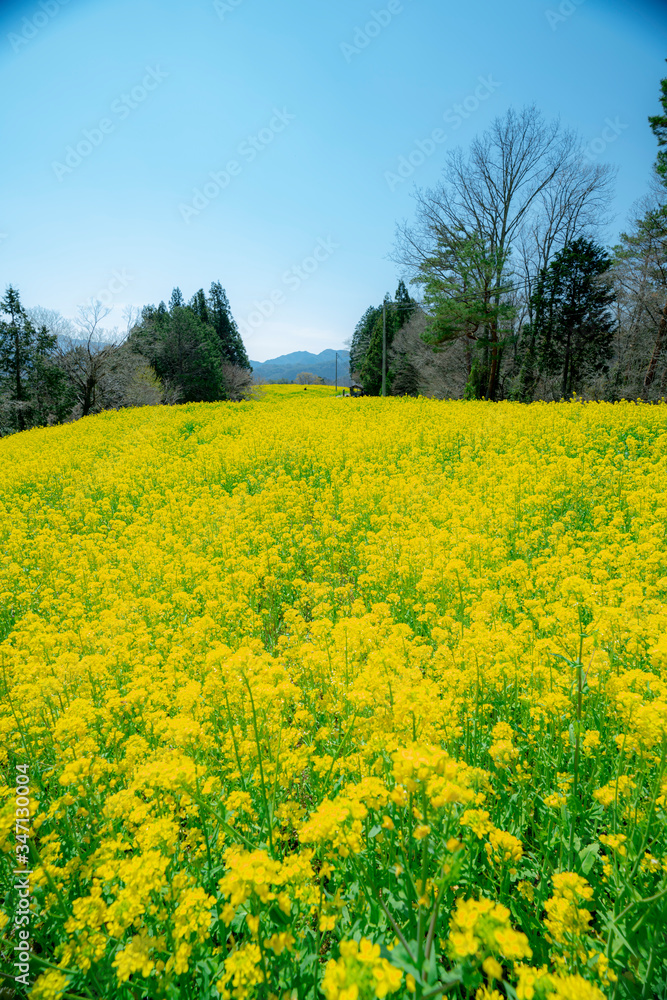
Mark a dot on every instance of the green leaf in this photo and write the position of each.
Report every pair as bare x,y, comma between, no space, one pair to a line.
401,959
587,857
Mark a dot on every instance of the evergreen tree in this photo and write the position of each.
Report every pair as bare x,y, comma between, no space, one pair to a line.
222,321
658,125
656,222
642,256
467,301
574,323
361,339
16,353
34,388
51,393
366,348
183,352
199,306
404,302
370,369
195,350
156,316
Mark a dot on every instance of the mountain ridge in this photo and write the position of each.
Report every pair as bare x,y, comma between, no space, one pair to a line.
286,367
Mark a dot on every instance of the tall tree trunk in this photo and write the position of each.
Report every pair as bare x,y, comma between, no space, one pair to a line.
634,328
88,397
567,367
492,386
17,361
663,381
527,376
657,350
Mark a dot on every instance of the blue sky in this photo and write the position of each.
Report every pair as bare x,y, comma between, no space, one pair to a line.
299,111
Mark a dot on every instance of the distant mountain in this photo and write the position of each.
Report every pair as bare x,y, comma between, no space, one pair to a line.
286,367
65,343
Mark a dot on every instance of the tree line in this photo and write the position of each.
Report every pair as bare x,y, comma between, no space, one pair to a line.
519,298
53,370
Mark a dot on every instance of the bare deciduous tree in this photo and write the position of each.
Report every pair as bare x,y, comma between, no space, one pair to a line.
640,279
520,194
442,374
95,362
57,325
238,382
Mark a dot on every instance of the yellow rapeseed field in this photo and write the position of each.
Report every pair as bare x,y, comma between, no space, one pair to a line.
336,698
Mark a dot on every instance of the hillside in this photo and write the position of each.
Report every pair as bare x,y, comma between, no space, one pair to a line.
286,367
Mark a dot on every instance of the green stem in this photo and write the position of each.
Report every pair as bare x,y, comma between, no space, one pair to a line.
233,735
397,930
319,942
439,990
577,742
337,754
205,830
223,822
259,761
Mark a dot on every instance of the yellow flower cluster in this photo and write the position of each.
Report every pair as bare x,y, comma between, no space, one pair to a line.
568,926
481,927
242,973
253,877
360,973
539,984
314,692
340,822
504,849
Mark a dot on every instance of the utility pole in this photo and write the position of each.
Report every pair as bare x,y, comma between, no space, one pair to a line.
336,372
384,347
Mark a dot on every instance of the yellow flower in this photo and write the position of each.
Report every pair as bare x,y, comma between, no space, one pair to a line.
478,820
567,922
526,890
482,927
492,968
484,993
574,988
531,980
279,943
503,848
616,842
571,886
555,800
135,957
591,742
49,985
614,791
360,972
243,972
